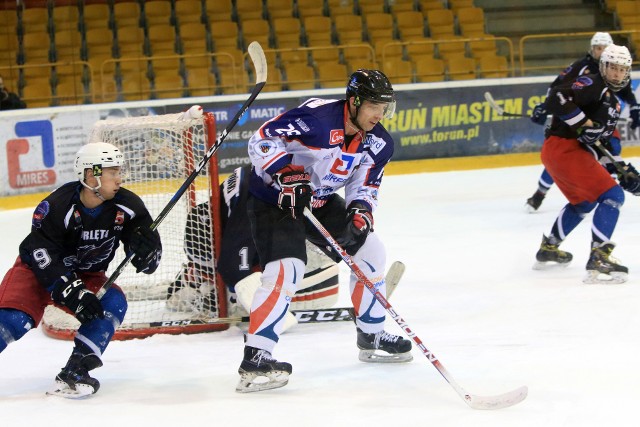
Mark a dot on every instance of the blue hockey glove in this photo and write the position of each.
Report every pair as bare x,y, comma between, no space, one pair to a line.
634,114
295,189
539,114
72,293
590,135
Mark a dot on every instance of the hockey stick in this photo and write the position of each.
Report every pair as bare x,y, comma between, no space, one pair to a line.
498,109
621,167
474,401
260,64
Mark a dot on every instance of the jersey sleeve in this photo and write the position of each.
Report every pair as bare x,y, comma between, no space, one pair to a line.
44,249
564,101
363,185
268,146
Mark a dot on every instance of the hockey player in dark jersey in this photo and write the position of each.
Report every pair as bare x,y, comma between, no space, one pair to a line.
583,66
238,258
585,111
300,159
74,235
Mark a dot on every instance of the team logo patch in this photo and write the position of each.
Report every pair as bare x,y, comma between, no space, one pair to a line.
265,148
119,217
38,215
581,82
336,136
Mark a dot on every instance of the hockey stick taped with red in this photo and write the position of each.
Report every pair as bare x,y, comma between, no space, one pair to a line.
260,64
474,401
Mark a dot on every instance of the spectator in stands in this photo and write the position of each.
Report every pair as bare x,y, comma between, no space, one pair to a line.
9,100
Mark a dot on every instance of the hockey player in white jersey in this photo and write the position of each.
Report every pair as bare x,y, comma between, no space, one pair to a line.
301,159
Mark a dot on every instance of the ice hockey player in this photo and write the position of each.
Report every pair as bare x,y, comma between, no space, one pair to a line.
586,65
238,260
75,232
585,112
301,159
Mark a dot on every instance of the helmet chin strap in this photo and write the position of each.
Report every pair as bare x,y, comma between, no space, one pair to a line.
95,189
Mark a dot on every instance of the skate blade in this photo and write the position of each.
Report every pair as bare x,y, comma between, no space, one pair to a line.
549,265
370,356
595,277
62,389
259,381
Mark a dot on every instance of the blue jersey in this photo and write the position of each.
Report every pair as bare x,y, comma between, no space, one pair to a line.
313,136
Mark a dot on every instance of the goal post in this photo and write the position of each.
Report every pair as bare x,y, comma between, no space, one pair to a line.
160,152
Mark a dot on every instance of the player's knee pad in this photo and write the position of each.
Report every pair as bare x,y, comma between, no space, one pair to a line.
581,209
613,197
115,305
13,325
287,273
372,256
97,333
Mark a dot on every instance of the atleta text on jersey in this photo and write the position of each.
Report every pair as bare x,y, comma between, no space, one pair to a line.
312,136
66,236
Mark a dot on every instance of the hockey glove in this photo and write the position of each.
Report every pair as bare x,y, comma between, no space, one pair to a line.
631,184
590,135
539,114
295,189
147,249
634,114
359,225
72,293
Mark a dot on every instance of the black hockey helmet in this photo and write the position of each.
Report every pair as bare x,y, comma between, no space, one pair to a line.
371,85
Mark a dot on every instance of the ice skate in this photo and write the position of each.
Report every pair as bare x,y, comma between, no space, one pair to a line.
534,202
603,268
550,256
73,381
395,348
260,371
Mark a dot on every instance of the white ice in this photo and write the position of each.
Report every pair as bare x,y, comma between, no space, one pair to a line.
469,293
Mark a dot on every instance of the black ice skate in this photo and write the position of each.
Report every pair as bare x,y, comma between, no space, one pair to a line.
73,381
602,267
534,202
260,371
550,256
397,349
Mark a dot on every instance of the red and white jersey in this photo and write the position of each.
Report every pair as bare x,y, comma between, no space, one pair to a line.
313,136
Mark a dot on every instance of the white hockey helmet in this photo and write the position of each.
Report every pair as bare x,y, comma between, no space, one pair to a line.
601,39
619,55
96,156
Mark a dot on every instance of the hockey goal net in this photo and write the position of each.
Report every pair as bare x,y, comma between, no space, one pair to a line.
160,153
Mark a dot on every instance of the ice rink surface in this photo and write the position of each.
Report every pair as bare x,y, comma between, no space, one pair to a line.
468,292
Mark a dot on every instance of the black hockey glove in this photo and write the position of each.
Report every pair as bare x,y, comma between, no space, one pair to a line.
147,249
634,114
359,225
590,135
73,294
539,114
295,189
630,181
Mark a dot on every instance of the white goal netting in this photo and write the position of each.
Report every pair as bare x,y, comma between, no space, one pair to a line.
160,153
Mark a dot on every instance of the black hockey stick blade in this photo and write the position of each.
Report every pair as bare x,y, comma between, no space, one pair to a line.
260,64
